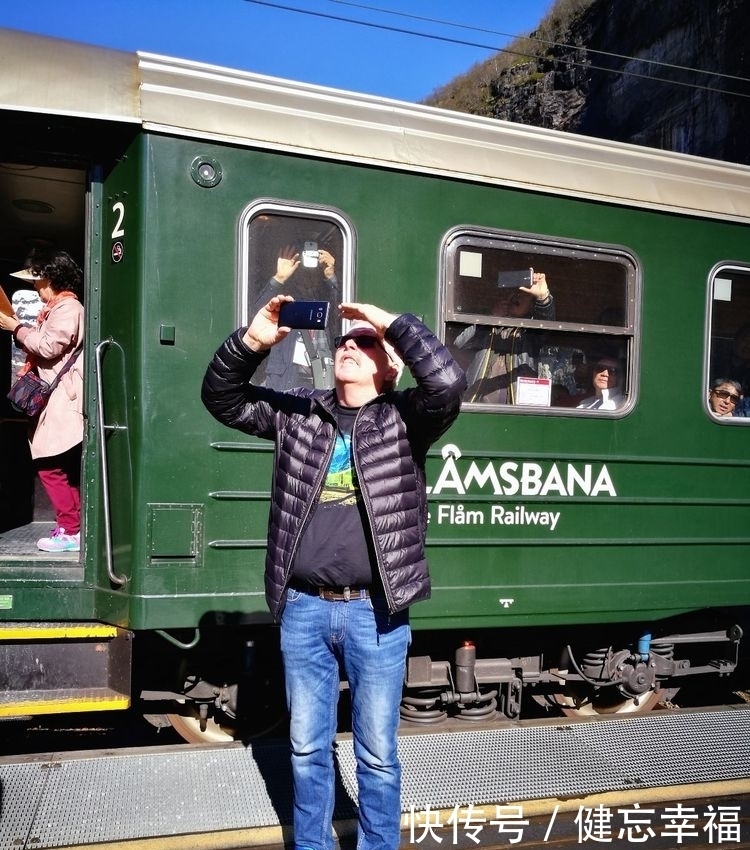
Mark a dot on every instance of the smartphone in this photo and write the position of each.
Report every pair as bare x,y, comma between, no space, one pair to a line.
514,279
310,255
304,314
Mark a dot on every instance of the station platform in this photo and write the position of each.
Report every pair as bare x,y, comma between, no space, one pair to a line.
77,799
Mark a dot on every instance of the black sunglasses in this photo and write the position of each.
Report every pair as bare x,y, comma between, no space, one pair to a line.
364,341
725,394
603,367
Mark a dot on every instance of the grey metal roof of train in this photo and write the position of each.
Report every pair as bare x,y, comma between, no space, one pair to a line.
188,98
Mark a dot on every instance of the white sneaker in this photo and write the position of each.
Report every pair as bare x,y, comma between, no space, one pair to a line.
59,541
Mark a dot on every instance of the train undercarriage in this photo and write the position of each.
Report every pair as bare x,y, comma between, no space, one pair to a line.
584,680
220,683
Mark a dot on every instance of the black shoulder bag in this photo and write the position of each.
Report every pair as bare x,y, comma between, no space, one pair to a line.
30,394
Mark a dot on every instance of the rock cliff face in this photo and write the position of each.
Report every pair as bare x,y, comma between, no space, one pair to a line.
624,70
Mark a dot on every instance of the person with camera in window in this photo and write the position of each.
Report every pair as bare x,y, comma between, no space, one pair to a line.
504,354
303,358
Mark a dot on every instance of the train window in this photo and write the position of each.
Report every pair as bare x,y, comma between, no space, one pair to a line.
306,252
727,395
540,323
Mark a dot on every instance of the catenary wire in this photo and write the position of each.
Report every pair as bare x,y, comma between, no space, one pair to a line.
567,61
607,53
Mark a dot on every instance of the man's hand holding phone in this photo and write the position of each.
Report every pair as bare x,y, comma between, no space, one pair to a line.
264,330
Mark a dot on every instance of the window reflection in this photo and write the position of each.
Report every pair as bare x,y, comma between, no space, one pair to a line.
536,324
729,347
305,255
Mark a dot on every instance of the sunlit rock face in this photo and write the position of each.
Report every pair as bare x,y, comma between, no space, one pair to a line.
660,74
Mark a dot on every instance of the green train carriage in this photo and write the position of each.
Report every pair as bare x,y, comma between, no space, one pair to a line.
588,559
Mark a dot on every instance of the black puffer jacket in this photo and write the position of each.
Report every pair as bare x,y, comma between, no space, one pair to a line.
390,440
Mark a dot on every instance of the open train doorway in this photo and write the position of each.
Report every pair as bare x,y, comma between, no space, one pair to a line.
42,206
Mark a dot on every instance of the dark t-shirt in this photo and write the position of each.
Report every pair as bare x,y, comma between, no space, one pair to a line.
334,549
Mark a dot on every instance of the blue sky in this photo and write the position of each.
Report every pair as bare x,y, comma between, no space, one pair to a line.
271,38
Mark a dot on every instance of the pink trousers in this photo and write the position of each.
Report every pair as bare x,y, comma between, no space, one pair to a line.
61,478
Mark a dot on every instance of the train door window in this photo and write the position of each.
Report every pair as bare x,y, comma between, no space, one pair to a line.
306,252
540,323
727,390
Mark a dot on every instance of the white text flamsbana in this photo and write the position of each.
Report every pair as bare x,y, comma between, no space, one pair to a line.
529,478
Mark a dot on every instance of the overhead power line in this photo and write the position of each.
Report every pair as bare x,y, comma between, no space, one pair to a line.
514,52
654,62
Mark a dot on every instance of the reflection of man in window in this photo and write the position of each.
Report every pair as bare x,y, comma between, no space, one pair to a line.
303,358
607,383
504,354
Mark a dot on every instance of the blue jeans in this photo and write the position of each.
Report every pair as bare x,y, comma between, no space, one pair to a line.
317,636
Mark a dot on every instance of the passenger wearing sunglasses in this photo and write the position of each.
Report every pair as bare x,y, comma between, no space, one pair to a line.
345,556
724,397
606,380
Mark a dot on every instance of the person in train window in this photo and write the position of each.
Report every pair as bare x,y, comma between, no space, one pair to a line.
606,380
345,556
737,364
56,436
504,354
303,358
724,397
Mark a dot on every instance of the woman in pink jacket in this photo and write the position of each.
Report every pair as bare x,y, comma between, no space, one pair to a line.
56,436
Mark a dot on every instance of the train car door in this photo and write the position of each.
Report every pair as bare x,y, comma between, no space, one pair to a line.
43,206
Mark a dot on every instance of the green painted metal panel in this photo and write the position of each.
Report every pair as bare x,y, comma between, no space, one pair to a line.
639,517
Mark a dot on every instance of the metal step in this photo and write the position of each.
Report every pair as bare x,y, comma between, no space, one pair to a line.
88,798
52,668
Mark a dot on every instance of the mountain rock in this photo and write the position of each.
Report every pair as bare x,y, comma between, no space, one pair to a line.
660,73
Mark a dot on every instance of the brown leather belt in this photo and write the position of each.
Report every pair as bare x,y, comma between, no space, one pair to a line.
331,593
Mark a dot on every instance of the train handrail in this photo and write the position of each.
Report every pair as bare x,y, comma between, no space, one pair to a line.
108,549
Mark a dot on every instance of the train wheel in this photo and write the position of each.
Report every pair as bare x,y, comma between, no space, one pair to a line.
578,701
188,727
